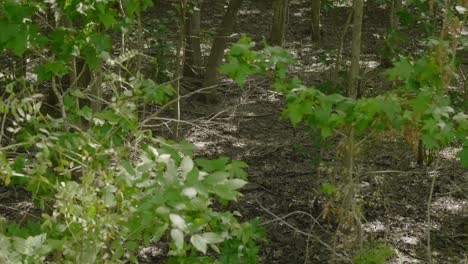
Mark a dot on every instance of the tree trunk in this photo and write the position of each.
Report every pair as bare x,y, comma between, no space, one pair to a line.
193,57
280,18
356,49
350,223
96,91
395,6
220,42
315,8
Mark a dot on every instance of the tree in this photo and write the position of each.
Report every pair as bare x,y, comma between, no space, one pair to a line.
349,187
193,60
315,25
279,25
220,43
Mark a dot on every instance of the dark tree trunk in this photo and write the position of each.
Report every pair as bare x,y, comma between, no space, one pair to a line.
315,26
193,57
220,43
279,25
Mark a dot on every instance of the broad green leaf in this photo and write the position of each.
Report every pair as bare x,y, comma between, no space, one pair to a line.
178,221
212,238
212,165
235,184
199,243
402,70
132,245
236,169
178,237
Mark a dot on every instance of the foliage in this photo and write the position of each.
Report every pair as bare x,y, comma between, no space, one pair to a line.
105,186
373,254
419,103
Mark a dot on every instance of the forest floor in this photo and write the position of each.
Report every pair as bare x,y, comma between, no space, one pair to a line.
287,165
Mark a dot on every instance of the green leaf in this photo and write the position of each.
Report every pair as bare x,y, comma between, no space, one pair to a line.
101,42
212,238
131,245
236,169
159,93
178,237
107,18
235,184
50,69
217,177
199,243
296,110
212,165
463,154
402,70
86,112
328,189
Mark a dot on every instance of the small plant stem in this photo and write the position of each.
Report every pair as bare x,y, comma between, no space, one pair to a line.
180,60
62,105
429,201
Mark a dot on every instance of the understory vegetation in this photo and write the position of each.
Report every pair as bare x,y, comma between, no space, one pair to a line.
109,108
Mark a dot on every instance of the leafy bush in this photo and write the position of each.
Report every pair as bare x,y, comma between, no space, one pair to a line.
419,102
104,185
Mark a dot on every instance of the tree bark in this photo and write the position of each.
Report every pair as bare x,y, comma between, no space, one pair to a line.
395,6
315,8
356,49
280,18
193,57
220,42
350,188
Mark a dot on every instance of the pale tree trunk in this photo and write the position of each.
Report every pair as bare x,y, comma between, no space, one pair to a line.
220,43
193,57
315,25
280,22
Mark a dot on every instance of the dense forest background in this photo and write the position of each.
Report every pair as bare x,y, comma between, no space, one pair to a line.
240,131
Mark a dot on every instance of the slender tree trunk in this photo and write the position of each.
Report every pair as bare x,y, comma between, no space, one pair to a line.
315,8
280,18
356,49
220,42
395,6
20,66
96,91
350,224
193,57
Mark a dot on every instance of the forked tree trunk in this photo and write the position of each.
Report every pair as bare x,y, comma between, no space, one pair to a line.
280,18
220,42
315,25
193,57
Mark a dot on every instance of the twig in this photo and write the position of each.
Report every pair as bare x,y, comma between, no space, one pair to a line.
155,115
17,210
393,171
2,128
295,213
305,233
